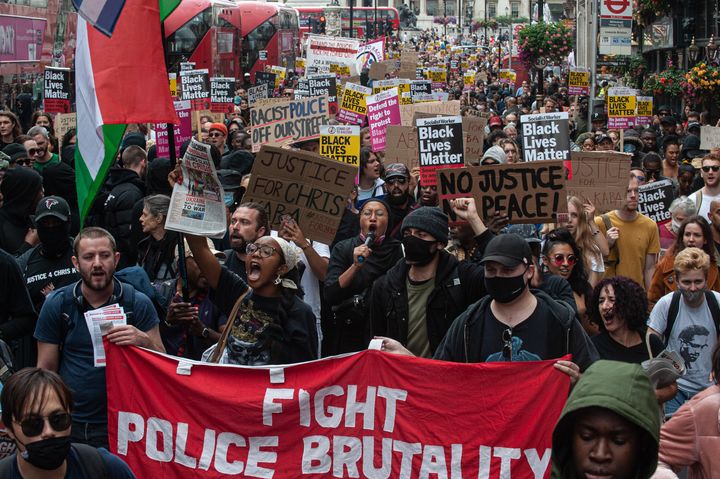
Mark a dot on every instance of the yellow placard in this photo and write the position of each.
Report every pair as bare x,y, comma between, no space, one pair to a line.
354,99
579,78
622,106
280,73
469,78
173,84
645,107
507,76
300,63
341,143
438,75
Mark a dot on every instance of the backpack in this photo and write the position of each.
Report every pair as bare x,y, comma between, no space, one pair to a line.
6,362
91,462
712,303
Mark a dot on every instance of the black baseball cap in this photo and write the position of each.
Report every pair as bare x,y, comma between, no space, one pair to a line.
509,250
598,117
52,206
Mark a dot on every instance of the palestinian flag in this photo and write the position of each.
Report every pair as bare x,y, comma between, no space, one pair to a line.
119,80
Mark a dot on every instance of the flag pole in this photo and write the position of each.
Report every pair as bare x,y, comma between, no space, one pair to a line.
170,128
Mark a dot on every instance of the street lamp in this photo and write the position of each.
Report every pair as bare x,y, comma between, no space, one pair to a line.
693,51
711,50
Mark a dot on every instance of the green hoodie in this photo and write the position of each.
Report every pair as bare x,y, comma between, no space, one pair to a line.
619,387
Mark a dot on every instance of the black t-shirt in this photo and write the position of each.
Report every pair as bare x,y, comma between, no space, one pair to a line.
265,332
608,348
534,339
39,272
235,264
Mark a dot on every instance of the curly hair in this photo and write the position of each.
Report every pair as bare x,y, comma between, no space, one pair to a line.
578,276
631,303
708,247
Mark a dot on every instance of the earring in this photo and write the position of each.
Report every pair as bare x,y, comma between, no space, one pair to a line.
277,280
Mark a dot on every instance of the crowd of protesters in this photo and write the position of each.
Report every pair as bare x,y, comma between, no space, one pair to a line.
613,290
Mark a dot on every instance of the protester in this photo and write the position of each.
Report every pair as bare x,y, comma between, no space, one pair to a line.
694,232
156,250
680,209
61,324
192,324
417,300
9,128
37,408
370,184
593,245
17,315
711,191
671,151
355,263
609,426
690,439
247,223
397,185
44,157
632,238
687,320
21,189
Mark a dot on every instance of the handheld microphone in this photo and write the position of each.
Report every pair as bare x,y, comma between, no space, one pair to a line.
370,239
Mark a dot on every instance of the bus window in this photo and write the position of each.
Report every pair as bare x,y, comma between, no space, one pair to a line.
182,43
255,41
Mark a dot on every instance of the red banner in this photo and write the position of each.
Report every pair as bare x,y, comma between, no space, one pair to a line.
368,415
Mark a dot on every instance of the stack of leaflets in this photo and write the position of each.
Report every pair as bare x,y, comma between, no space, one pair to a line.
99,322
664,369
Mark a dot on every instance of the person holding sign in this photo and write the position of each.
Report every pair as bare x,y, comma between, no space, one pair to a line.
355,263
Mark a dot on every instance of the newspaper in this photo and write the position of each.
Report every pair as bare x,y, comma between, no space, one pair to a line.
197,206
99,322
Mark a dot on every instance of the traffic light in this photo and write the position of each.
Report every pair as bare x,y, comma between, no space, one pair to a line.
322,24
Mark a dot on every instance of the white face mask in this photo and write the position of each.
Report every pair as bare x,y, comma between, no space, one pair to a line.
675,224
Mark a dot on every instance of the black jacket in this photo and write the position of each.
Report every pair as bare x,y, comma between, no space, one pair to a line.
126,188
457,285
461,343
154,254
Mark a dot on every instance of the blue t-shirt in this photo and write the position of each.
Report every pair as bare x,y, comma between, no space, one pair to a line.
76,358
115,467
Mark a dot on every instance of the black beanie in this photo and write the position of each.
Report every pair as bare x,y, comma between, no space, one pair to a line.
15,151
429,219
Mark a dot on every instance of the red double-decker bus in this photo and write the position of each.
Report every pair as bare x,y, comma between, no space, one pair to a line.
364,24
227,37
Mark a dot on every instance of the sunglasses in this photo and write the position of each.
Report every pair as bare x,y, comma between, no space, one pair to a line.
33,425
708,168
507,344
265,250
33,151
215,135
399,181
24,162
559,259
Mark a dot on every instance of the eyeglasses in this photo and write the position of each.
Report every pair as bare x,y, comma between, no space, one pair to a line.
507,344
265,250
708,168
215,134
399,180
34,151
369,213
33,425
24,162
559,259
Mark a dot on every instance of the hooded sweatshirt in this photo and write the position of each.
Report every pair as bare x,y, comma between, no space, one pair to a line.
21,191
622,388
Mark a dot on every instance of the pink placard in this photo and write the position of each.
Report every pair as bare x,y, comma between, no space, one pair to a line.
383,109
21,38
183,130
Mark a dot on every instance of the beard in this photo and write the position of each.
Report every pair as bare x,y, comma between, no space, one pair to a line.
238,244
397,200
96,282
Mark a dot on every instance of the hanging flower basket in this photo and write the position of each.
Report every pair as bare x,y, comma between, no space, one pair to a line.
647,11
702,85
670,83
552,41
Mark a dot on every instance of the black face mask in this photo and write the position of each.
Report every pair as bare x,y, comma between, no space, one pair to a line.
505,290
47,454
418,252
55,239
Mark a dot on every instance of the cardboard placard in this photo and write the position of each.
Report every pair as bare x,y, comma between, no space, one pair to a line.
601,177
257,93
526,192
709,137
353,106
222,94
324,85
401,146
654,200
281,122
309,188
440,145
474,136
545,136
341,143
63,122
57,95
383,109
438,108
